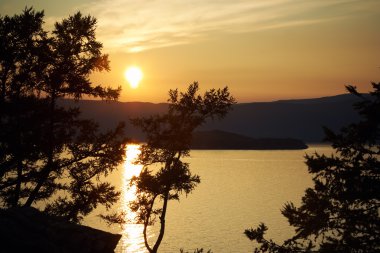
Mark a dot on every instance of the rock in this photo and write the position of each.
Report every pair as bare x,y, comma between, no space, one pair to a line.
29,230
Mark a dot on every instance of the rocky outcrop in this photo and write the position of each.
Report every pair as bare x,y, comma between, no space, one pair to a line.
29,230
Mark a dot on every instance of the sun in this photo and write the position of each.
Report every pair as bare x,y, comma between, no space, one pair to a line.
133,76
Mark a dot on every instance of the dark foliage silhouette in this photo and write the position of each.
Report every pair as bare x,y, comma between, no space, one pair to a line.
48,154
168,141
196,251
341,212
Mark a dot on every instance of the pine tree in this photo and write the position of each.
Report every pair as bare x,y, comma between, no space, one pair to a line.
48,153
168,141
341,212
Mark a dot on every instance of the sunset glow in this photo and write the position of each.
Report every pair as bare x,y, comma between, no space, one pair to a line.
130,170
133,75
180,126
132,239
263,50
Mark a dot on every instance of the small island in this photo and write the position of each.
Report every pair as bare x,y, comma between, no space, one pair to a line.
217,139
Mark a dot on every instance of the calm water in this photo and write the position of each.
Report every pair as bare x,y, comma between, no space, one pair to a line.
238,190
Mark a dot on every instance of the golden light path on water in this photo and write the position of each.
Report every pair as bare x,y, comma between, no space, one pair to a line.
132,239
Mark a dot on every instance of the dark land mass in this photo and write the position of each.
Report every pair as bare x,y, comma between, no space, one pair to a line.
29,230
217,139
301,119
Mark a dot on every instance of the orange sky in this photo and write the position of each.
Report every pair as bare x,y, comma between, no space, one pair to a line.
263,50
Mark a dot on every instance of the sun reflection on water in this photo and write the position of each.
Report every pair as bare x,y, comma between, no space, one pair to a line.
132,239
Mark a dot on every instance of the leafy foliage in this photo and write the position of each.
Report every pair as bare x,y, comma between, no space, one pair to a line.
50,157
196,251
168,140
341,212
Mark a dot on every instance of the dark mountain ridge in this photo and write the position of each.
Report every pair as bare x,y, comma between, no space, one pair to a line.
298,119
328,99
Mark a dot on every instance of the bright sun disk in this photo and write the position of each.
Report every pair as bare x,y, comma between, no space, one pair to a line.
133,76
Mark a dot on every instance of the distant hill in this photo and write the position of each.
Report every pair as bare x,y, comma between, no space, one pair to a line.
109,113
298,119
331,99
217,139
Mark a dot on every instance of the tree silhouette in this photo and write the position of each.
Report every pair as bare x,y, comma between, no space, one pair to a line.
168,140
48,153
341,212
196,251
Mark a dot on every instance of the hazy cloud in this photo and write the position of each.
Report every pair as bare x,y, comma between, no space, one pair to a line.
136,25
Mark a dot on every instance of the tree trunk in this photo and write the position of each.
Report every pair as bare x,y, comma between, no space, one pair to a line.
18,184
3,85
44,173
162,222
19,154
146,223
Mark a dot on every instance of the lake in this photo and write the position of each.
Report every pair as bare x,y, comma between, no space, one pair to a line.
238,190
